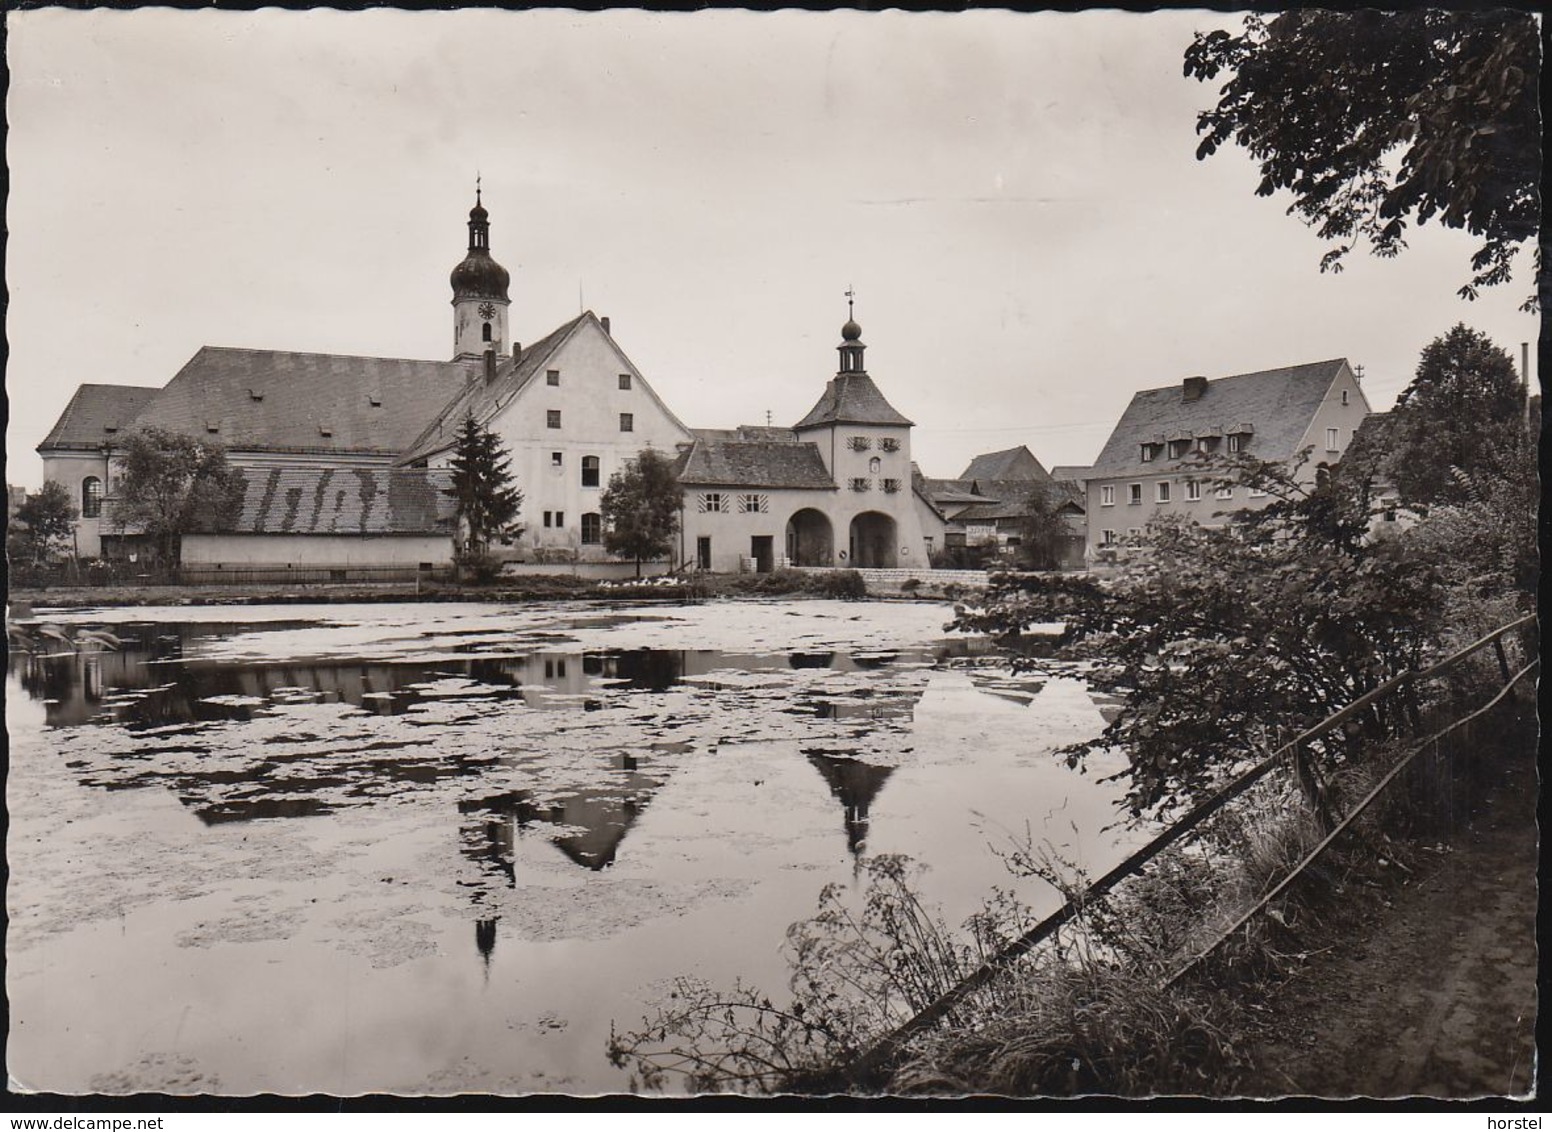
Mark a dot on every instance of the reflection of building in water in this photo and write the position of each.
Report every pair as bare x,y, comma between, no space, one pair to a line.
602,816
485,939
854,784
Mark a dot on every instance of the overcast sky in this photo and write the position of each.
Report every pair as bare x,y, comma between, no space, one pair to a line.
1014,197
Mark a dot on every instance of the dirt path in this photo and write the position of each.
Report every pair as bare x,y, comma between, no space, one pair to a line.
1434,991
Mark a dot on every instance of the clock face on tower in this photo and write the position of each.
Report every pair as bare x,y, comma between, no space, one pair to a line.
487,310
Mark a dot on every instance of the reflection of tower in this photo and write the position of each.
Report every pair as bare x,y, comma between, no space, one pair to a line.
485,940
854,784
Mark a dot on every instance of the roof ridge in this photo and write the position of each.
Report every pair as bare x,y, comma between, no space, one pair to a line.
1175,386
327,354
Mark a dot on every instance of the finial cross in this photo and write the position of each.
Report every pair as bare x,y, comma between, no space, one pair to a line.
476,186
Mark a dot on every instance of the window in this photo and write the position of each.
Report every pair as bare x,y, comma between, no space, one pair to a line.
1236,442
560,518
1256,493
1331,444
889,444
552,418
557,459
754,503
891,487
552,377
859,443
861,483
1193,491
485,333
625,381
590,471
1107,538
1133,532
91,498
703,553
1147,453
1224,493
1161,491
592,529
1178,448
1134,494
1107,495
627,422
709,501
1344,396
548,515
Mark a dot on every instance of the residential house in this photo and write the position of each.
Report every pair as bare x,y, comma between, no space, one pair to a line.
1158,462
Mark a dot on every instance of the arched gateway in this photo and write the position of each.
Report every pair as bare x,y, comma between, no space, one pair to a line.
810,539
873,541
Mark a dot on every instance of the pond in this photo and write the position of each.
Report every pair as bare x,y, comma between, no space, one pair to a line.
430,849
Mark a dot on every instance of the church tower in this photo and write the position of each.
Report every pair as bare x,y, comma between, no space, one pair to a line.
479,294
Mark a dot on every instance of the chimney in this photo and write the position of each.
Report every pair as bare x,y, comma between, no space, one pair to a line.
517,351
605,322
490,362
1192,388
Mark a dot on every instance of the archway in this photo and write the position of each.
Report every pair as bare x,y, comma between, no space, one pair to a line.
810,541
873,541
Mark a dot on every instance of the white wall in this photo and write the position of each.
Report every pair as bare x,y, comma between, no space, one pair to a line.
590,401
317,550
71,470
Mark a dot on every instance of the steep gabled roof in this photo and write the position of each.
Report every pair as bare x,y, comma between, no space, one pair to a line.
361,501
95,415
851,398
282,401
1010,464
1276,404
950,491
752,463
1075,473
746,432
483,399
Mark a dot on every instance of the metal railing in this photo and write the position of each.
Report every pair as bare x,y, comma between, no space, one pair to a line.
1299,754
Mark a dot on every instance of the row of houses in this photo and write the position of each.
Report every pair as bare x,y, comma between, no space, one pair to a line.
345,458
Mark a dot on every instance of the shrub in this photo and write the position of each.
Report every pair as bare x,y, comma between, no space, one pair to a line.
476,567
910,585
843,585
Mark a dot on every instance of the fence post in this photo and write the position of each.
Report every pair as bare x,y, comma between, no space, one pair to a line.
1503,659
1314,789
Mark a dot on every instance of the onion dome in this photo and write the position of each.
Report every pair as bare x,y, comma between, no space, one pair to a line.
851,332
479,276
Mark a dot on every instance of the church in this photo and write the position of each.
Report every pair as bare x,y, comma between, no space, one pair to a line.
345,458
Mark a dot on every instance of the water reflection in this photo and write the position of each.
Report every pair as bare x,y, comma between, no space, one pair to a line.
854,784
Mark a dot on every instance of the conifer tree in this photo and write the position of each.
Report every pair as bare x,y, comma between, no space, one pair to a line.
488,503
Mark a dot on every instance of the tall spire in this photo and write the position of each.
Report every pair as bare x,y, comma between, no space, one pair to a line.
851,346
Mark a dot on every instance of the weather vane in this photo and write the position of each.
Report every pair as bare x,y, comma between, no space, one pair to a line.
476,186
850,295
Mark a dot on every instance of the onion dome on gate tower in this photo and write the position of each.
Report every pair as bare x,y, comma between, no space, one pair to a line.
479,276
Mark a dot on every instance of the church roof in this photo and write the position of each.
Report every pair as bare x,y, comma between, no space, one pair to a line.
1010,464
753,463
95,415
281,401
1276,406
851,398
363,501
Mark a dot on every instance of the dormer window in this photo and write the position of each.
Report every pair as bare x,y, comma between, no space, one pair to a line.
1236,442
374,400
212,426
325,430
255,395
1147,452
1178,448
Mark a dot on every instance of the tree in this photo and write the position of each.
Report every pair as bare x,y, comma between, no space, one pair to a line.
487,503
640,509
1374,120
1221,641
171,485
1461,409
48,517
1042,530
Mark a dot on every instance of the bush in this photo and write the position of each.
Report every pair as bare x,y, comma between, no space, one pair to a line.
478,568
843,585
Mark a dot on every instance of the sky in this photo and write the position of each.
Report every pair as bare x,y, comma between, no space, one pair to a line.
1013,197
